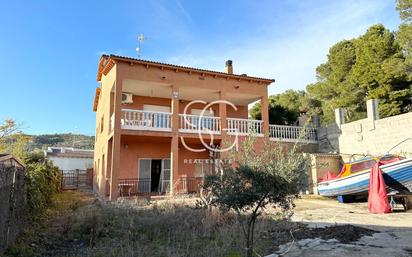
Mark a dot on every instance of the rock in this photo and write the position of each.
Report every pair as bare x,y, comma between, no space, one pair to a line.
314,243
304,242
272,255
332,241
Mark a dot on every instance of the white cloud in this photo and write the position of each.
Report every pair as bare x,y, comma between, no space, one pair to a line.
292,59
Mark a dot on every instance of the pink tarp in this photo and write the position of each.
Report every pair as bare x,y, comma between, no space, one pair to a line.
330,176
377,198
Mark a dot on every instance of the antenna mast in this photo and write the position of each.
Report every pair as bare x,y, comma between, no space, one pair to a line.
140,39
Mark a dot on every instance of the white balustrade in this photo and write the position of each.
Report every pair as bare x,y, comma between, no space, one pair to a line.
292,133
244,126
146,120
194,123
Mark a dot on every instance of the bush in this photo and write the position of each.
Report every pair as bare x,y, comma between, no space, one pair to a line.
254,180
42,182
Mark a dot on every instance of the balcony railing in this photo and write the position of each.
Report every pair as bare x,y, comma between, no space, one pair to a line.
146,120
194,123
292,133
162,121
132,187
244,126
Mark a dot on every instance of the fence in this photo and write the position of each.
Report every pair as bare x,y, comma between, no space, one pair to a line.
75,179
11,201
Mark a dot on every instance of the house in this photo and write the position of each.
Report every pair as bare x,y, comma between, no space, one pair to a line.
158,124
70,159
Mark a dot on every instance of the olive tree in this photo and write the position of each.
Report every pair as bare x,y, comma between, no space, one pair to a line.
256,179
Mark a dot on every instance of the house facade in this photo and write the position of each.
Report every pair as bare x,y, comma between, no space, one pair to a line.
158,125
68,159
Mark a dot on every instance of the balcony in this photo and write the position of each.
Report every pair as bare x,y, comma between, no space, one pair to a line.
146,120
162,121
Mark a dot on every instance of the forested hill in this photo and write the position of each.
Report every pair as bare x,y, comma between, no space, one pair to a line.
65,140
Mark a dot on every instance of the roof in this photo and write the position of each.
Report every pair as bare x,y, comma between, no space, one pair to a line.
106,62
4,157
68,152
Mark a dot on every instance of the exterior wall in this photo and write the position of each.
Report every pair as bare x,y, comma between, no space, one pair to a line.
117,151
71,163
156,148
377,137
320,165
152,149
140,101
101,149
328,138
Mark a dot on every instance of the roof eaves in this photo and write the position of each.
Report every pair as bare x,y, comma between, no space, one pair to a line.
173,66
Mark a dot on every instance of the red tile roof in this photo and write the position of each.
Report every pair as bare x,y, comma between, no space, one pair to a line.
106,62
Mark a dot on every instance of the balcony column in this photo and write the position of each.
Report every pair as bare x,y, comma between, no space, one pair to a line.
174,146
223,114
115,162
264,101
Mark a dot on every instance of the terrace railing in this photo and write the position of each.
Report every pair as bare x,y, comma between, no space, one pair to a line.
146,120
133,187
244,126
292,133
188,123
194,123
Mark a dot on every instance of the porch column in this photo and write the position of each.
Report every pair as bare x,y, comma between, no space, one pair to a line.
115,162
264,101
223,114
174,146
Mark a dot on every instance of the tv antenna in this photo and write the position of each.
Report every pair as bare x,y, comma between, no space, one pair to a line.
140,39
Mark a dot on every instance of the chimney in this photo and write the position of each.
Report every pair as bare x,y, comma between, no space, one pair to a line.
229,67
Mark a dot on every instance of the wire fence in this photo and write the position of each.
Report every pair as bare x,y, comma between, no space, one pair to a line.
11,202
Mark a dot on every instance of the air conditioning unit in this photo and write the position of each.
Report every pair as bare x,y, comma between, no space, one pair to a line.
127,98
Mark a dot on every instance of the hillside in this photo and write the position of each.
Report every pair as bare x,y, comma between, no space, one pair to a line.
66,140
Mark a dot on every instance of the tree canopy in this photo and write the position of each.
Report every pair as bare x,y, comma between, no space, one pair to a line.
372,66
285,108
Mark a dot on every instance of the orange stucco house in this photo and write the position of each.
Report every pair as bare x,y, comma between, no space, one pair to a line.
154,122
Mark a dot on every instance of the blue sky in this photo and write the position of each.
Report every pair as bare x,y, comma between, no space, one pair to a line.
49,49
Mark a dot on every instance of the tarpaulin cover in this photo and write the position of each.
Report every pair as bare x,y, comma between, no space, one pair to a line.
377,198
330,176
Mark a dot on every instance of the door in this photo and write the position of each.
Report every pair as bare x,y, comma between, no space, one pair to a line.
144,183
156,170
165,176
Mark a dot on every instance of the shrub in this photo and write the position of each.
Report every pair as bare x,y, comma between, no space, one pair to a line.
42,181
255,179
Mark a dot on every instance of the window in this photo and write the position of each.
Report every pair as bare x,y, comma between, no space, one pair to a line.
362,166
101,124
204,167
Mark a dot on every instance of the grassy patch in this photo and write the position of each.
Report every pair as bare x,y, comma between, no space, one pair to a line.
79,225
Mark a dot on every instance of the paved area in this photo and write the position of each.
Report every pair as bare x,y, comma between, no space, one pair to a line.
393,237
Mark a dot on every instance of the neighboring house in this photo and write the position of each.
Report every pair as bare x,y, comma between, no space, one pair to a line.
147,125
68,159
8,160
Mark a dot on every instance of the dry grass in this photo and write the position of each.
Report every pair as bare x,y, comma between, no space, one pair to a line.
79,225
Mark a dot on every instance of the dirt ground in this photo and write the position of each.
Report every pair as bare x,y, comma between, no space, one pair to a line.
393,235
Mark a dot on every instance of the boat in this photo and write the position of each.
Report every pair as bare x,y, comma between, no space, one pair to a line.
354,177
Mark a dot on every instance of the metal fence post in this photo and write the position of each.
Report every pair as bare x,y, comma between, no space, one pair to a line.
77,175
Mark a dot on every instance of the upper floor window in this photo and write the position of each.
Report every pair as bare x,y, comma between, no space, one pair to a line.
101,124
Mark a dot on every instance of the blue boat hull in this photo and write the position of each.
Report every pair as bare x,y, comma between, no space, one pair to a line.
397,175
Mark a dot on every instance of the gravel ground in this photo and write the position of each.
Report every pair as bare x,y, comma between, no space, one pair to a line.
365,234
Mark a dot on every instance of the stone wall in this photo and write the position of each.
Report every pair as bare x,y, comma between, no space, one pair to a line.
370,136
376,137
